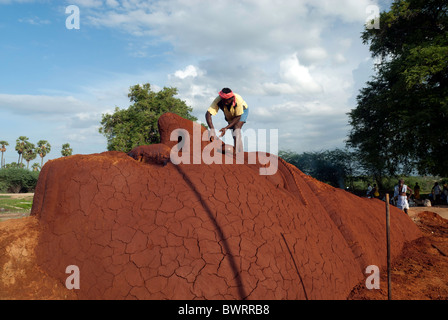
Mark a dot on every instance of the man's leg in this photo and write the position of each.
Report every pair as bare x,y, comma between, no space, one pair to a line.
237,137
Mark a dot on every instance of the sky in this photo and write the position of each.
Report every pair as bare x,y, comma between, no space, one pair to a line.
298,64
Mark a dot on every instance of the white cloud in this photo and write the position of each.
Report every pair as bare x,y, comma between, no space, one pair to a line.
16,1
314,54
88,3
41,104
112,3
189,71
340,58
35,21
296,79
348,11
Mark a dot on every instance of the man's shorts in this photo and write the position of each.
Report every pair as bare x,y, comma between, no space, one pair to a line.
245,115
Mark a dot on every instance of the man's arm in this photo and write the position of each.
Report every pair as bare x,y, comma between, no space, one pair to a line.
208,118
231,125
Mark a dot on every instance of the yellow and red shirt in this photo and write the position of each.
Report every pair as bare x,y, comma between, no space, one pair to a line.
235,110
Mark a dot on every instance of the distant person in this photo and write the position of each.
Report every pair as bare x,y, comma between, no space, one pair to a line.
375,192
436,191
369,190
400,194
445,193
417,191
235,111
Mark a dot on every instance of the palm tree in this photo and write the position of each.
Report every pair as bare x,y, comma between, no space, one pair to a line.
3,149
36,166
29,153
20,146
43,148
66,150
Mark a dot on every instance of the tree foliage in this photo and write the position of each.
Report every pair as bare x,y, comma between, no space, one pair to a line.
66,150
3,145
21,144
335,167
29,153
128,128
400,122
43,148
17,180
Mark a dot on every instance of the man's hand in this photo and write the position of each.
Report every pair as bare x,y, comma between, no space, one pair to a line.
212,135
223,132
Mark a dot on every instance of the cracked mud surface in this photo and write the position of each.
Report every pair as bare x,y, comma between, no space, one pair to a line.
140,227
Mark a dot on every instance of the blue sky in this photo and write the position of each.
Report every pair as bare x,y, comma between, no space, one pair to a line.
298,64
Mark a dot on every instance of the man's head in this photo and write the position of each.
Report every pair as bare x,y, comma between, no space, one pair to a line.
227,96
401,182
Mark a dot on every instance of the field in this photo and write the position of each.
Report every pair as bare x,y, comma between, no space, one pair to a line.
15,205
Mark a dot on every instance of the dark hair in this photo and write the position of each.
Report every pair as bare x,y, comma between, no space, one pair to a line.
226,90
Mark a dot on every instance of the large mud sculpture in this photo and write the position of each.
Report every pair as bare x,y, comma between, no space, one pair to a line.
138,226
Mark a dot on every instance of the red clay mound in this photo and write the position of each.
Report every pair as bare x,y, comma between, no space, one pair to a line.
141,227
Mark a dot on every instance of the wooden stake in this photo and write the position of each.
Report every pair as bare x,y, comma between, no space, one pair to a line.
389,290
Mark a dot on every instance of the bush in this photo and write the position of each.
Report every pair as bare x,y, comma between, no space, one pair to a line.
15,180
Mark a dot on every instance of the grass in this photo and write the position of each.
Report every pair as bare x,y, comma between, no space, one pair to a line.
9,204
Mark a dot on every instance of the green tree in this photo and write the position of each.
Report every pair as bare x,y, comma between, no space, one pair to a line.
335,167
20,147
14,165
29,153
43,148
66,150
3,145
36,166
128,128
400,120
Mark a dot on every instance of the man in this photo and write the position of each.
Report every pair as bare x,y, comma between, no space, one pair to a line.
400,193
417,191
235,111
369,191
436,191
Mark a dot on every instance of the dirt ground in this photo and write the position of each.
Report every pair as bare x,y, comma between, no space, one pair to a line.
421,273
18,195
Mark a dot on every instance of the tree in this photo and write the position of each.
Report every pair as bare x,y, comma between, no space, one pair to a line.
14,165
399,123
66,150
36,166
3,145
128,128
29,153
335,167
43,148
20,147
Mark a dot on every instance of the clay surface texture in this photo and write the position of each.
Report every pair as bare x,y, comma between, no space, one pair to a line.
140,227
